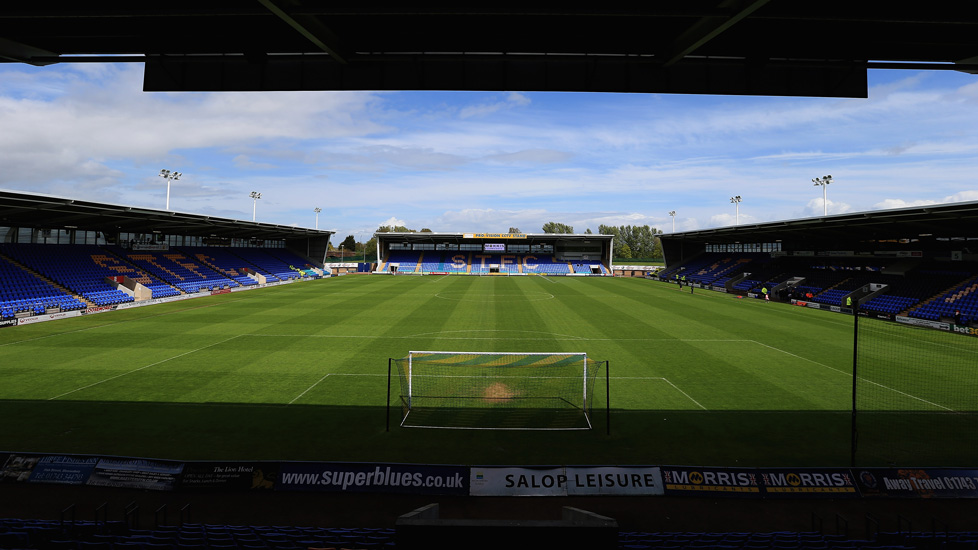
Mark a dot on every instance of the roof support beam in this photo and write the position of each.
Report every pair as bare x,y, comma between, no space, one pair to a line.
709,27
308,26
22,53
968,65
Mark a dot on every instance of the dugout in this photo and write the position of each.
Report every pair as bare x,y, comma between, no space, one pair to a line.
421,253
635,270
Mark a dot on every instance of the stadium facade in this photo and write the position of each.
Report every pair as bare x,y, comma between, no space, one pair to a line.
494,253
912,265
872,256
935,231
37,218
63,257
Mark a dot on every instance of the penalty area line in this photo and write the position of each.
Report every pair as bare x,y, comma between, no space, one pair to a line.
667,381
325,376
113,323
93,384
675,387
849,374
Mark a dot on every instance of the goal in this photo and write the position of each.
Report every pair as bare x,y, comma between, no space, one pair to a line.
496,391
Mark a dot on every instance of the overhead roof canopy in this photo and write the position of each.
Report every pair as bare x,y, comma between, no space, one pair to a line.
48,212
950,221
756,47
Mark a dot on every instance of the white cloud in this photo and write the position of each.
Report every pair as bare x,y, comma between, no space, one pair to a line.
489,220
100,121
419,158
395,222
472,161
532,220
963,196
244,161
688,224
888,204
531,156
724,219
510,101
815,207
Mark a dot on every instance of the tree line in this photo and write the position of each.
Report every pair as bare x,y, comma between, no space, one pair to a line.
357,248
634,241
631,241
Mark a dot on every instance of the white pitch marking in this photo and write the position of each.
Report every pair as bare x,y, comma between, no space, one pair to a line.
558,338
142,368
905,394
666,380
28,340
325,376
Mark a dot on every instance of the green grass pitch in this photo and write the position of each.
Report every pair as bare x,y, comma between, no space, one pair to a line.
299,372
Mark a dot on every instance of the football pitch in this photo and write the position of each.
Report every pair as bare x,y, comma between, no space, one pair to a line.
300,372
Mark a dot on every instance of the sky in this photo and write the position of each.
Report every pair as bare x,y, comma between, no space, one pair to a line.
487,161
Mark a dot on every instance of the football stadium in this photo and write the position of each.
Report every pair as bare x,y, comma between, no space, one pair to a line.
252,358
175,381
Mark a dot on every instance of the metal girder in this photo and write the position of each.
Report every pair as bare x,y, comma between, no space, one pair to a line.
308,26
945,221
708,28
45,212
581,73
23,53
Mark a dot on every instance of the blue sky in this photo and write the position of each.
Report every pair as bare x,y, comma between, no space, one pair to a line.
485,162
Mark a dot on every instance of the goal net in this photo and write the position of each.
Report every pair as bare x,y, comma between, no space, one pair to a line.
497,391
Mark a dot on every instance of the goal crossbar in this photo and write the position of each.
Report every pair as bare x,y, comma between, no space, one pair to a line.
496,390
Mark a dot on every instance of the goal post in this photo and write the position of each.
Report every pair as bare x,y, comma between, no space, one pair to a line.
496,390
